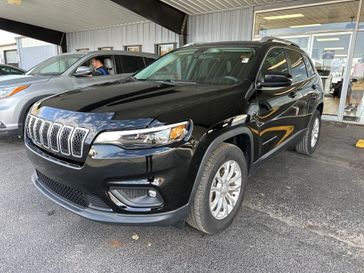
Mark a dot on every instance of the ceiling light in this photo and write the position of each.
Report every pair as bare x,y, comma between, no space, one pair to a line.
287,16
14,2
302,26
327,39
334,48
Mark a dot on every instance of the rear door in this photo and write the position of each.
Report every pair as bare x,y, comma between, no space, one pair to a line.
277,117
304,84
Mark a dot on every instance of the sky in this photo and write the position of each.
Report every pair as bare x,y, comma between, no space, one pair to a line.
7,37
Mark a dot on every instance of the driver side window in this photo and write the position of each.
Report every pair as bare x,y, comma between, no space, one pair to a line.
275,61
107,61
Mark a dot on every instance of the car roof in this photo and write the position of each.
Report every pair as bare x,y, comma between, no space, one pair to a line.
113,52
266,43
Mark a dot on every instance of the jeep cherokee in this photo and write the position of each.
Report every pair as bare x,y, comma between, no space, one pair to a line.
176,141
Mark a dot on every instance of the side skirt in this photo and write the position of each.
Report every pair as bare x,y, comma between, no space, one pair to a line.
291,141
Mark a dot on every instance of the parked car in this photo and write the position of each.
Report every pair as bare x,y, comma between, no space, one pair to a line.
10,70
177,141
59,74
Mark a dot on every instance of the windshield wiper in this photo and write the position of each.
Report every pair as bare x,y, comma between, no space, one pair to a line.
173,82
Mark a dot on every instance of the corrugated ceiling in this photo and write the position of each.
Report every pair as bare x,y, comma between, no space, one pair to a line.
194,7
67,15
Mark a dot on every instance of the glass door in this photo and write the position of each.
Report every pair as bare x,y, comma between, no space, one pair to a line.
329,53
354,104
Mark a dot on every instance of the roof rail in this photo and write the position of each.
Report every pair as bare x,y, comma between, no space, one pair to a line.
278,40
191,44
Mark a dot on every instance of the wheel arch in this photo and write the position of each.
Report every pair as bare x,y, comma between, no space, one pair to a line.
241,136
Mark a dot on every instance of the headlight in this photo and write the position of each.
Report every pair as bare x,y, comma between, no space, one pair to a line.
146,138
12,90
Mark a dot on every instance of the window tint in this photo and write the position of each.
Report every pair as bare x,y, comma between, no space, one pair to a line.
149,61
275,61
298,66
129,64
310,69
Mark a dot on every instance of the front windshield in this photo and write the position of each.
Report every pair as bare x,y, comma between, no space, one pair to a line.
55,65
209,65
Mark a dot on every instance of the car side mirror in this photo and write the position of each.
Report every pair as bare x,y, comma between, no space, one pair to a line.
83,71
276,79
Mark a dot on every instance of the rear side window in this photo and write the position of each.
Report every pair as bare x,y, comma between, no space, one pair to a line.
310,69
298,66
276,61
129,64
149,61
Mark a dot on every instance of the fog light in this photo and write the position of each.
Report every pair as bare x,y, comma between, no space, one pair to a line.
152,193
135,197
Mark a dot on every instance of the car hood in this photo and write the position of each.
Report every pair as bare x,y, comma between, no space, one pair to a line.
15,80
151,100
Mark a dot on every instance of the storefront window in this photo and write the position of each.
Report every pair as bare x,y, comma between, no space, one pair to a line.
354,106
304,20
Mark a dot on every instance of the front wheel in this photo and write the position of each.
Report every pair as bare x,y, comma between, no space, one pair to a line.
220,192
309,142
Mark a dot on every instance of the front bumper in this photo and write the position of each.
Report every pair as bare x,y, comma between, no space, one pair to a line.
170,218
117,167
8,117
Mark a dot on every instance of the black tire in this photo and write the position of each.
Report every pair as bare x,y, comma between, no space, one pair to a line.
305,145
200,216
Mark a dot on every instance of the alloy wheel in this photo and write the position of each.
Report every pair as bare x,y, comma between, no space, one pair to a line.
225,189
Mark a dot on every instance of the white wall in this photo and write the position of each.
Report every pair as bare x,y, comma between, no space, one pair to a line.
230,25
146,34
31,52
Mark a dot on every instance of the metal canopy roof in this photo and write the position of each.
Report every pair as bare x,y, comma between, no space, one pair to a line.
80,15
67,15
194,7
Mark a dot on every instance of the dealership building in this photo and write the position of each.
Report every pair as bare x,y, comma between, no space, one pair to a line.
331,32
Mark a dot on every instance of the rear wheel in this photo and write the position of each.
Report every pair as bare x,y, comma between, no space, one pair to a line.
309,142
220,192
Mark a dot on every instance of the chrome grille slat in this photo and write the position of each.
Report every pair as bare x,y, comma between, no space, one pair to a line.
37,126
78,138
65,140
56,137
45,133
31,126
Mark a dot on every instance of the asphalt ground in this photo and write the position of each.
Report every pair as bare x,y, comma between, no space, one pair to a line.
300,214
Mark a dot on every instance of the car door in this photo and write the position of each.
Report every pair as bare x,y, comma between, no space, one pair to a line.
277,116
85,81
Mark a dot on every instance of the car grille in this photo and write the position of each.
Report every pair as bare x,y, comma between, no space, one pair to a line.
72,195
56,137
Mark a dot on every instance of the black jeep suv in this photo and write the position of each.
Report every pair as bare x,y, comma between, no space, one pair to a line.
177,141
